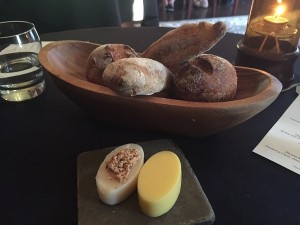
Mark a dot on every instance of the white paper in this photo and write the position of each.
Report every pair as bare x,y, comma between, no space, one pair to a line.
44,43
282,143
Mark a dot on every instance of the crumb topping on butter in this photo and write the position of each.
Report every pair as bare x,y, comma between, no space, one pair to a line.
121,163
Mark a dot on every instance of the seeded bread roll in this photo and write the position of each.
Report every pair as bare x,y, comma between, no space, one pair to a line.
137,76
104,55
206,78
185,42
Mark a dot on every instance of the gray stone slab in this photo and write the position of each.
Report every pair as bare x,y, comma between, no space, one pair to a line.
192,206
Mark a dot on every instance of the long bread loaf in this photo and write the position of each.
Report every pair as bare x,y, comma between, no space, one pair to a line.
185,42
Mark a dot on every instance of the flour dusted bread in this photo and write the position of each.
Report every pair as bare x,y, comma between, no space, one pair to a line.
184,42
197,76
206,78
137,76
103,56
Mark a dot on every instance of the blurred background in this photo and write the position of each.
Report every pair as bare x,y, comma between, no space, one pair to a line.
58,15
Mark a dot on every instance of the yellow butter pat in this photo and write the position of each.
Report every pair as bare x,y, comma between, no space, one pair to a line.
159,183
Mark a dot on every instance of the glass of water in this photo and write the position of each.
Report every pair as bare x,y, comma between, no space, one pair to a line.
21,75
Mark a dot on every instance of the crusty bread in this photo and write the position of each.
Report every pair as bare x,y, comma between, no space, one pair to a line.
184,42
206,78
104,55
137,76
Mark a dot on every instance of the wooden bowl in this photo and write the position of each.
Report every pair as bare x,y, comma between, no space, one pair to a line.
65,61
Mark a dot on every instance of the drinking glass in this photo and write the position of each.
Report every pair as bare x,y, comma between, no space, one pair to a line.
21,74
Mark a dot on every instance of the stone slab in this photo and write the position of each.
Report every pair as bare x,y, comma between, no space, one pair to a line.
192,206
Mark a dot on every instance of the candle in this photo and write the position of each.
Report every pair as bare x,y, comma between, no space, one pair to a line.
276,19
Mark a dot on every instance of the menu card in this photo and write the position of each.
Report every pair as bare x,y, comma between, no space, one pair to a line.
282,143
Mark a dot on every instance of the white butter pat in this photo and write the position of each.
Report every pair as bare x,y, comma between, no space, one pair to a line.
117,175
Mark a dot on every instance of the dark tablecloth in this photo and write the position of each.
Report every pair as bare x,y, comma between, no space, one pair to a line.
40,140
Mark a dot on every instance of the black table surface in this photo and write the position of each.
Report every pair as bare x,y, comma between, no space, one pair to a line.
41,139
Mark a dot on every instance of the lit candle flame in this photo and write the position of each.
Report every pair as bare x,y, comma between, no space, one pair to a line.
279,10
276,18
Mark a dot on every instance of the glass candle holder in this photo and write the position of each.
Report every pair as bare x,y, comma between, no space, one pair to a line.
273,29
272,38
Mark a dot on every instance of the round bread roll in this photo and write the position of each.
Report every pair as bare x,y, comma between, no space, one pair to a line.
103,56
137,76
206,78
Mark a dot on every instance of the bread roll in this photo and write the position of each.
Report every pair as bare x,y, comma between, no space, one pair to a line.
206,78
137,76
104,55
185,42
